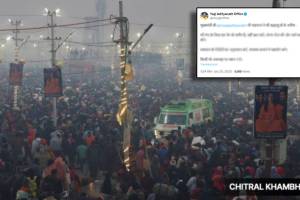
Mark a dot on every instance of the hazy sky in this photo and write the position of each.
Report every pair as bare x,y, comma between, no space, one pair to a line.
168,15
161,11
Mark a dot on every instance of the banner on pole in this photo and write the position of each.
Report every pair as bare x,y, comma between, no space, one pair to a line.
52,82
270,112
16,74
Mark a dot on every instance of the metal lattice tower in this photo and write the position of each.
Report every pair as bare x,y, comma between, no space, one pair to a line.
277,4
101,14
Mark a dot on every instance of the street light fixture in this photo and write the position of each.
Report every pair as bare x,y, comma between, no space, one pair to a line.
49,13
8,38
57,11
15,23
179,35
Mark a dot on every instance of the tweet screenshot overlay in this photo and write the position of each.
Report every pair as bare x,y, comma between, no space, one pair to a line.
248,42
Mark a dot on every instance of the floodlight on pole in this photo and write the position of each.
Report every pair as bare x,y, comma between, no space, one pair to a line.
57,10
8,38
179,35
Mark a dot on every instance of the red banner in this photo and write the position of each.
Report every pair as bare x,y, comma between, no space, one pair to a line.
16,74
270,111
52,82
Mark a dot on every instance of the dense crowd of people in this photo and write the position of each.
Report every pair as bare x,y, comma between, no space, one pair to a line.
38,160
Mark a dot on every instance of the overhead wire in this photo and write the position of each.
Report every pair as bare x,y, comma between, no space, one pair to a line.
87,27
56,26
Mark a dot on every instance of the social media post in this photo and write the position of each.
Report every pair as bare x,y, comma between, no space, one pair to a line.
248,42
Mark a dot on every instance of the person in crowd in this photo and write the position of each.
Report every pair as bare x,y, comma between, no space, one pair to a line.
69,148
92,157
86,133
82,155
56,142
24,192
52,185
107,185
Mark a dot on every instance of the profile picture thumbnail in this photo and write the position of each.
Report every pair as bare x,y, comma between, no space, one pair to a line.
204,15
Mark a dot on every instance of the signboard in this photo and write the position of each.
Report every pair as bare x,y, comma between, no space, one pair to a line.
16,74
180,64
52,82
270,112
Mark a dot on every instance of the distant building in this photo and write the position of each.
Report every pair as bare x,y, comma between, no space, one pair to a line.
95,34
91,32
101,14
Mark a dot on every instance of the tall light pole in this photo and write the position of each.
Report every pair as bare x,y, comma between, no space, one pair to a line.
16,32
52,25
179,61
269,144
123,41
16,24
124,115
114,51
298,91
53,51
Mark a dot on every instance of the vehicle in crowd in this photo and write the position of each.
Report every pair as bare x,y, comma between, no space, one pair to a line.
182,114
